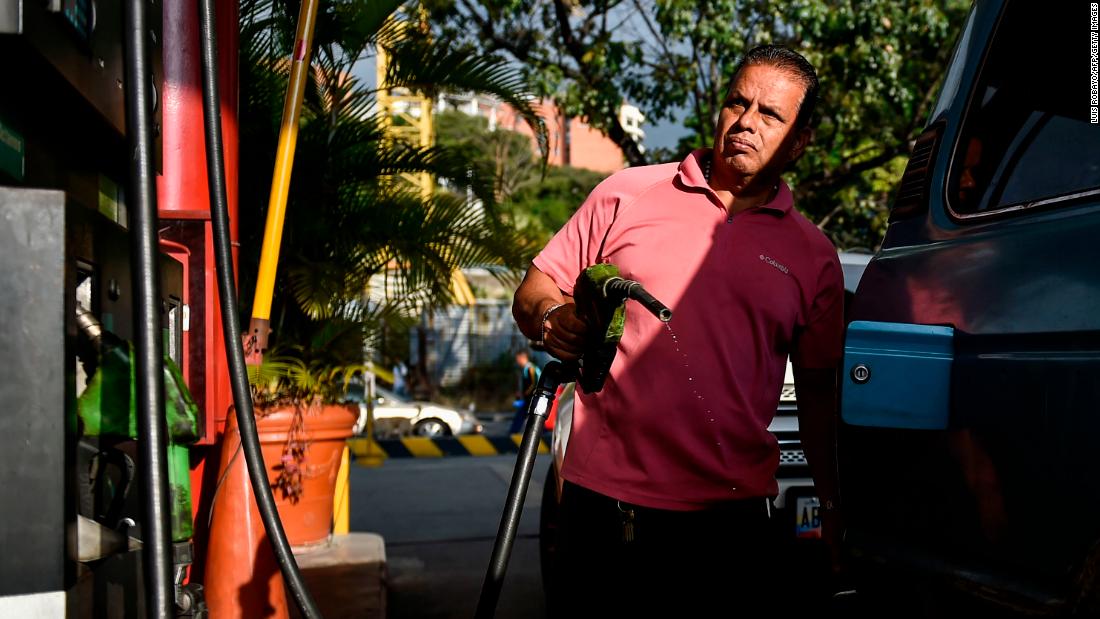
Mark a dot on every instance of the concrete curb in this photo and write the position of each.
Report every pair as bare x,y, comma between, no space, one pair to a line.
347,577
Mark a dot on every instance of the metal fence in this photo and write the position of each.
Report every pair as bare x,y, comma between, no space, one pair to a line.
460,339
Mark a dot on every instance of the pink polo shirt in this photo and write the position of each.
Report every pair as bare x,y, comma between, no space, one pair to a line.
682,421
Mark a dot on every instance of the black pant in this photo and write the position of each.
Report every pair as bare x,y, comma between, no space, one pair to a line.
711,563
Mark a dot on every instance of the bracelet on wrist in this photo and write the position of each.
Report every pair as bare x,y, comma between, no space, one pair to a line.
542,324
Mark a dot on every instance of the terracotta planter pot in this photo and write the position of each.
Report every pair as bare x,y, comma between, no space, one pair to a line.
309,521
242,578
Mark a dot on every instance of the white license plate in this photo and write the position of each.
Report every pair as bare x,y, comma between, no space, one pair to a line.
807,518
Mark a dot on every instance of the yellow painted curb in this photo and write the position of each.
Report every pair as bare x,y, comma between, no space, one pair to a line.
477,445
422,447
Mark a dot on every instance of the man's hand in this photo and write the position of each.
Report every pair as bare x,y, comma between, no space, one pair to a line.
817,413
562,331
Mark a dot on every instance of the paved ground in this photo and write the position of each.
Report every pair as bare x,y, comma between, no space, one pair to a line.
495,424
439,518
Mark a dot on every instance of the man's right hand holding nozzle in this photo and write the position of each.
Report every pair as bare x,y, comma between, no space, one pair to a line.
545,314
564,333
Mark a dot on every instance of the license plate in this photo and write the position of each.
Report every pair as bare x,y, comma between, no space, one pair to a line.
807,518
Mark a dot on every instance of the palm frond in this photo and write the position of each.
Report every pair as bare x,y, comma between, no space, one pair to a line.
418,64
351,217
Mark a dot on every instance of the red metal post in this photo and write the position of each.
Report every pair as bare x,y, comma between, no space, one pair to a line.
185,215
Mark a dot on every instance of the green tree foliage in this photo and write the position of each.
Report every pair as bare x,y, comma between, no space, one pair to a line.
547,205
534,201
504,156
569,50
880,63
350,216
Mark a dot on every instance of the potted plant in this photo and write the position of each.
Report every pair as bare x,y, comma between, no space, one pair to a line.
303,423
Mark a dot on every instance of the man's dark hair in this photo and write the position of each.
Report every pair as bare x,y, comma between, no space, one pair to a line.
792,62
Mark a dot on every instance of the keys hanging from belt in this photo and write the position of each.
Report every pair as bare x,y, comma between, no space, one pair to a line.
628,522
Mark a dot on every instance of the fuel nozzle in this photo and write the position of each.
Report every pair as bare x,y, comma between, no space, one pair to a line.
600,294
108,407
616,287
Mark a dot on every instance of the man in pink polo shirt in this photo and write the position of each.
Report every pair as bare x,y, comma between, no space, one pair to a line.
671,468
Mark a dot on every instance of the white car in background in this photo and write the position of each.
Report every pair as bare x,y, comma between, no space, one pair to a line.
395,416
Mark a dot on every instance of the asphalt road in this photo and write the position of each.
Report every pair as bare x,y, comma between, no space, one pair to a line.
439,518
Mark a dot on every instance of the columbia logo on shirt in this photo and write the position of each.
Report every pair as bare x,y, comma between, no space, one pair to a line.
775,264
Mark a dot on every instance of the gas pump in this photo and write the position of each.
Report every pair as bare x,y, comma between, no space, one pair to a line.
73,517
65,166
101,437
107,418
97,518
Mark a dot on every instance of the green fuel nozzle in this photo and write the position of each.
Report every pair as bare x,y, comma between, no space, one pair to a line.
107,408
600,294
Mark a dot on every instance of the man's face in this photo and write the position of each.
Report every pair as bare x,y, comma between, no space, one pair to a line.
756,126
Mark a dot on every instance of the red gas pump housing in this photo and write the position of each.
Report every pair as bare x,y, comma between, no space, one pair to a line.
186,229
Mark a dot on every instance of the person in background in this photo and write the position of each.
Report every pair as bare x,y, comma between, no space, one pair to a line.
666,504
528,378
400,375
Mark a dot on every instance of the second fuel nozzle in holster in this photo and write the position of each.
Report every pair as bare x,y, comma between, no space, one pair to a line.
600,294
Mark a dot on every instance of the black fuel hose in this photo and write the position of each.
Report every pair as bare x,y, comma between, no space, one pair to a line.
148,348
553,375
231,323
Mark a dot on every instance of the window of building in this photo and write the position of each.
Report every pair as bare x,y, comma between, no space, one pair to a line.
1027,139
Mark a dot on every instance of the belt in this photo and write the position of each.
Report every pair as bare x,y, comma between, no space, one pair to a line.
746,507
751,506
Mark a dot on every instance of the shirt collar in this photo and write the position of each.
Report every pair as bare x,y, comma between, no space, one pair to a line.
691,175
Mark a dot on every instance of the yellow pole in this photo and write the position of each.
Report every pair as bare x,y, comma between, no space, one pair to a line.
427,138
280,179
341,509
381,64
